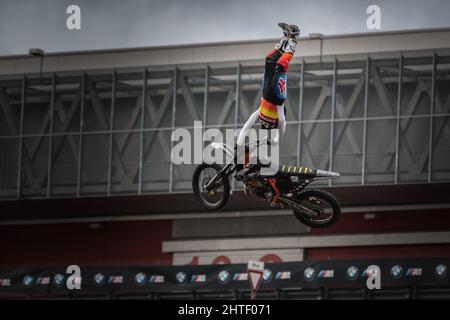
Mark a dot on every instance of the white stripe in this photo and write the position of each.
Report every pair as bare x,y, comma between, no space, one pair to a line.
307,241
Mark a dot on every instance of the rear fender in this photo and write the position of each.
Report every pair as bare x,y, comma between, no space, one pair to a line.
326,174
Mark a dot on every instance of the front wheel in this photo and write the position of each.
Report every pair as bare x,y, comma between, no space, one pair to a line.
317,208
213,195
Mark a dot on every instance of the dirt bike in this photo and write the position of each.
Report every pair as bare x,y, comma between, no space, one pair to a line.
314,208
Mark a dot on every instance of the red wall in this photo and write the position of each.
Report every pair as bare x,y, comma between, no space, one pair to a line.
140,242
112,244
390,222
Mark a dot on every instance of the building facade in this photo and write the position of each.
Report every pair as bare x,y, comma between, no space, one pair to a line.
85,140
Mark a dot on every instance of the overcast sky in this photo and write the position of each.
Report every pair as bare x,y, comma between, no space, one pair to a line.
137,23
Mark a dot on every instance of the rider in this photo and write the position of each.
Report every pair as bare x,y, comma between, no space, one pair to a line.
271,111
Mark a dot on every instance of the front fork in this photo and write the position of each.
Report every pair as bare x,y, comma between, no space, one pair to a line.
225,172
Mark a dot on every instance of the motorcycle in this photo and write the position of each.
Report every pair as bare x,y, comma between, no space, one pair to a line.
313,207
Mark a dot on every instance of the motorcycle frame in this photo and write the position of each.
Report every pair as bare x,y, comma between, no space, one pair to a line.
230,167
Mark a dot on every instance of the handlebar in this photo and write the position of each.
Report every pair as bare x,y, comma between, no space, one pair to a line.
259,142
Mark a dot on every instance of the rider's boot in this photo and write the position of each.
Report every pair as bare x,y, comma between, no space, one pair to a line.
286,31
291,44
294,31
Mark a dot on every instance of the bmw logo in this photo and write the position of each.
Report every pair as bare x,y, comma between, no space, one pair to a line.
99,279
58,280
181,277
396,272
224,276
440,271
267,275
140,279
352,273
309,274
27,281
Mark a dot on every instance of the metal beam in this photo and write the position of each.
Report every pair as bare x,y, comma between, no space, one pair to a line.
386,102
231,97
156,123
19,158
111,134
397,127
205,97
245,108
136,114
383,93
41,131
430,141
50,138
439,128
80,138
345,113
366,100
57,104
67,119
325,92
174,110
300,110
25,157
291,109
189,98
236,107
98,109
141,133
333,108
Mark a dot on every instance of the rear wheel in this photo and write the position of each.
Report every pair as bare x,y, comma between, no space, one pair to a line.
215,196
317,208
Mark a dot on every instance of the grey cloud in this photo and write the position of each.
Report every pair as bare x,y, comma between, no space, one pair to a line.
135,23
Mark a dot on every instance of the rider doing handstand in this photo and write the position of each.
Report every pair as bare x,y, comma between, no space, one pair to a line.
271,111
